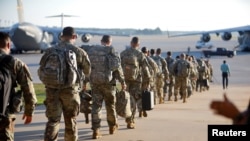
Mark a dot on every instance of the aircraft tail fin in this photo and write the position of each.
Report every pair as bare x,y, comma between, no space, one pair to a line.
20,11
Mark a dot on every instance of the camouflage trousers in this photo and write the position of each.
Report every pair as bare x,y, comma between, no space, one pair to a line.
7,130
180,86
135,90
107,94
159,87
58,102
168,87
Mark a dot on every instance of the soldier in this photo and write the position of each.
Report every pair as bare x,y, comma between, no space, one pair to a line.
102,89
65,99
203,75
210,70
181,69
134,63
153,68
162,75
169,86
20,75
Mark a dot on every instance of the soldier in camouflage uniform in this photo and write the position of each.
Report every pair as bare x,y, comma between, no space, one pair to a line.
106,90
210,70
65,101
203,75
168,87
181,80
162,75
21,76
153,68
134,63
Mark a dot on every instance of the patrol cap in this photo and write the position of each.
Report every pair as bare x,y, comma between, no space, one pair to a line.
144,49
68,31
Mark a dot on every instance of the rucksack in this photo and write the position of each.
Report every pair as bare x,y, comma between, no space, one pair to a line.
170,63
103,62
158,61
130,65
182,68
58,67
5,83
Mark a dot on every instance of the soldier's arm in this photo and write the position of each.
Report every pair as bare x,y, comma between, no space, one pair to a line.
24,79
144,66
165,68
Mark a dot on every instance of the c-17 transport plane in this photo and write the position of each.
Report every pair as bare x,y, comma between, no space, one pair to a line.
29,37
226,35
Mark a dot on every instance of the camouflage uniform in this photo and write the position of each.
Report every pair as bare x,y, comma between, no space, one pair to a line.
161,76
134,87
20,73
66,100
181,82
203,75
168,87
105,91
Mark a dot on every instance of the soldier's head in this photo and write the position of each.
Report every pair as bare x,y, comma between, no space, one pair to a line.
158,51
106,40
144,49
183,56
135,42
152,52
5,42
68,34
169,53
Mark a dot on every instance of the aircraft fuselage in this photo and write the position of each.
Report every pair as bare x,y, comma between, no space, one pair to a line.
26,37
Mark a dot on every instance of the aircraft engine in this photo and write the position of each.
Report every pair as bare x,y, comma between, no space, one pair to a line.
226,36
86,37
205,38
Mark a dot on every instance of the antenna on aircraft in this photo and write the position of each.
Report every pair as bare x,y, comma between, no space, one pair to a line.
62,16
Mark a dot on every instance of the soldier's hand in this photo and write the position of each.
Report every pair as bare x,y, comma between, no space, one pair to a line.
27,119
124,87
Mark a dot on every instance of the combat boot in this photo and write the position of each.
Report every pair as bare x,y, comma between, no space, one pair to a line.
144,113
169,98
112,129
96,134
131,125
175,98
140,114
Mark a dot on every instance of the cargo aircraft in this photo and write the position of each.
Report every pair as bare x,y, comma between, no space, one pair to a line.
29,37
226,35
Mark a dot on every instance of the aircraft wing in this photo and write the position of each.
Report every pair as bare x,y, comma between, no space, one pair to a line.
85,35
240,29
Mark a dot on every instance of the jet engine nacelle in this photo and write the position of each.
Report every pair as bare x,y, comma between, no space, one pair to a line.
205,38
226,36
86,37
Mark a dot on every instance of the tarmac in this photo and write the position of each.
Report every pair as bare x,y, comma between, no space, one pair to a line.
171,121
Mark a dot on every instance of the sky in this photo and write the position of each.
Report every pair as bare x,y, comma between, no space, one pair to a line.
182,15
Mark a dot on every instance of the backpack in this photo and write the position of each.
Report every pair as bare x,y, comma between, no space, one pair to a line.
58,67
182,68
122,105
130,65
5,84
103,62
170,63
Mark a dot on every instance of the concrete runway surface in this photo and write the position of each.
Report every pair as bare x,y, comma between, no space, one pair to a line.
171,121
